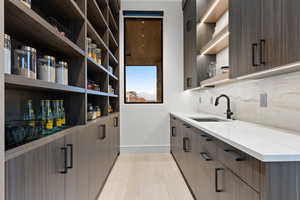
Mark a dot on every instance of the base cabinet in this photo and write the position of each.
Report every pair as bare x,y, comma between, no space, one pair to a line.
73,167
215,170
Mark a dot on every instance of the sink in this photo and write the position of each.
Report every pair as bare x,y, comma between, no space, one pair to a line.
212,119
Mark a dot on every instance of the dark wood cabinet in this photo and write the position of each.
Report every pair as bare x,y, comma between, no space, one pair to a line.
245,32
263,35
190,52
72,167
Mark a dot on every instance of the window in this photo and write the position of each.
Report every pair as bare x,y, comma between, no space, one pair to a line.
143,60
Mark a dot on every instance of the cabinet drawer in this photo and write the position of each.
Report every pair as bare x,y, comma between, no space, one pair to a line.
245,166
208,146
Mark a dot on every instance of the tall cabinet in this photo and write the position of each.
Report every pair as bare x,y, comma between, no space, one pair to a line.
74,162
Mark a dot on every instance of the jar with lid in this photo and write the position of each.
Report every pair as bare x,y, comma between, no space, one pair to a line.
62,73
92,50
90,112
27,3
88,42
46,69
7,54
98,56
22,62
33,63
98,111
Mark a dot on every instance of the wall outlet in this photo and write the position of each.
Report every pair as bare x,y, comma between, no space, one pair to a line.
264,100
200,100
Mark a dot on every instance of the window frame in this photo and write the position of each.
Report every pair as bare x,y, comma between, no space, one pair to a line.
162,60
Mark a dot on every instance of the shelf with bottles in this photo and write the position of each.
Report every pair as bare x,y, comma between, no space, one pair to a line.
40,67
96,107
113,105
113,87
34,25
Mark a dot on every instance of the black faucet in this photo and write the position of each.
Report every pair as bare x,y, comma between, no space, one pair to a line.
228,112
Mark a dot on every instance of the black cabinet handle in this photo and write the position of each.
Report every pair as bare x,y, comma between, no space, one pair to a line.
205,156
235,155
217,179
187,126
116,122
102,130
254,49
189,82
65,150
70,146
186,145
189,26
173,131
262,52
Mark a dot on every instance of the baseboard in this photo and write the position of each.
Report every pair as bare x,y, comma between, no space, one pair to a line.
146,149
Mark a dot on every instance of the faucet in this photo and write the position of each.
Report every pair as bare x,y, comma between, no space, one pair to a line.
229,113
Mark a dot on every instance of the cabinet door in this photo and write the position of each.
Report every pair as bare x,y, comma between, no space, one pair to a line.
56,157
245,34
230,187
190,53
280,32
173,133
187,156
26,176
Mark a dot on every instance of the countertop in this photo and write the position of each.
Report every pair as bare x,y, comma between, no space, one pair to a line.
264,143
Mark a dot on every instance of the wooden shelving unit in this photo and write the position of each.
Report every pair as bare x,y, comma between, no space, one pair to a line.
217,44
215,10
97,19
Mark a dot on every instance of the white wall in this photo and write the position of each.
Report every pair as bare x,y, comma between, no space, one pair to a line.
145,128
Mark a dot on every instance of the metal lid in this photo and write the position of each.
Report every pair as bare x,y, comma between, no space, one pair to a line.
98,50
62,63
33,50
93,45
26,48
49,57
7,36
89,39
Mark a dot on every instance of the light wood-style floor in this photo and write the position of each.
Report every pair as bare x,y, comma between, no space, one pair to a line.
145,177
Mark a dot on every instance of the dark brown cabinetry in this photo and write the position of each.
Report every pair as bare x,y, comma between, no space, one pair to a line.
190,53
72,167
263,35
215,170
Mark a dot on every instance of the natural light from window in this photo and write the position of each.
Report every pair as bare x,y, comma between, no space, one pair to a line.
141,84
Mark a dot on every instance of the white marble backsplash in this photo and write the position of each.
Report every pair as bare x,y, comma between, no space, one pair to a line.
283,110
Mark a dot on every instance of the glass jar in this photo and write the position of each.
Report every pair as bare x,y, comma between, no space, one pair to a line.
33,63
7,54
92,49
27,3
110,69
88,42
46,69
98,56
21,65
62,73
62,113
98,111
90,112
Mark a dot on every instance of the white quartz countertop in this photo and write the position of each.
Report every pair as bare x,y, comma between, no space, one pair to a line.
264,143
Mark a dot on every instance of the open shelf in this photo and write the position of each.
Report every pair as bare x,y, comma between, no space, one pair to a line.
112,39
22,82
95,36
217,44
217,80
215,11
24,22
112,22
98,93
95,16
96,66
69,7
112,59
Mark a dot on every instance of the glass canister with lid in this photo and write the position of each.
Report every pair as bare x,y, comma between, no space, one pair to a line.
98,56
88,42
22,61
92,50
46,69
62,73
33,63
7,54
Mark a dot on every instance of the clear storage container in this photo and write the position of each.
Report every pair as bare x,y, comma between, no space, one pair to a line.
7,54
92,49
88,42
22,63
33,63
46,69
62,73
98,56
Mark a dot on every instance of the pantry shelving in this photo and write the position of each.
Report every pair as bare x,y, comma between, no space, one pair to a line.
80,19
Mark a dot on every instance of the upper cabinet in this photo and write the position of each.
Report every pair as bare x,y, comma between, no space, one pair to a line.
263,35
190,73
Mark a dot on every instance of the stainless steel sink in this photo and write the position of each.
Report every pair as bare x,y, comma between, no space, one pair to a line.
212,119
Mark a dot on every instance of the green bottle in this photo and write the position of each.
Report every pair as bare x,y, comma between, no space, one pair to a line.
62,113
29,114
49,117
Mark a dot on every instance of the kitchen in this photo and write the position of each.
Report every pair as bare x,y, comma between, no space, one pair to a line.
140,99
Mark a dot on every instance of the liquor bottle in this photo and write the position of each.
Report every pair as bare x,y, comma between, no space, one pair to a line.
63,114
29,114
43,116
49,117
56,114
